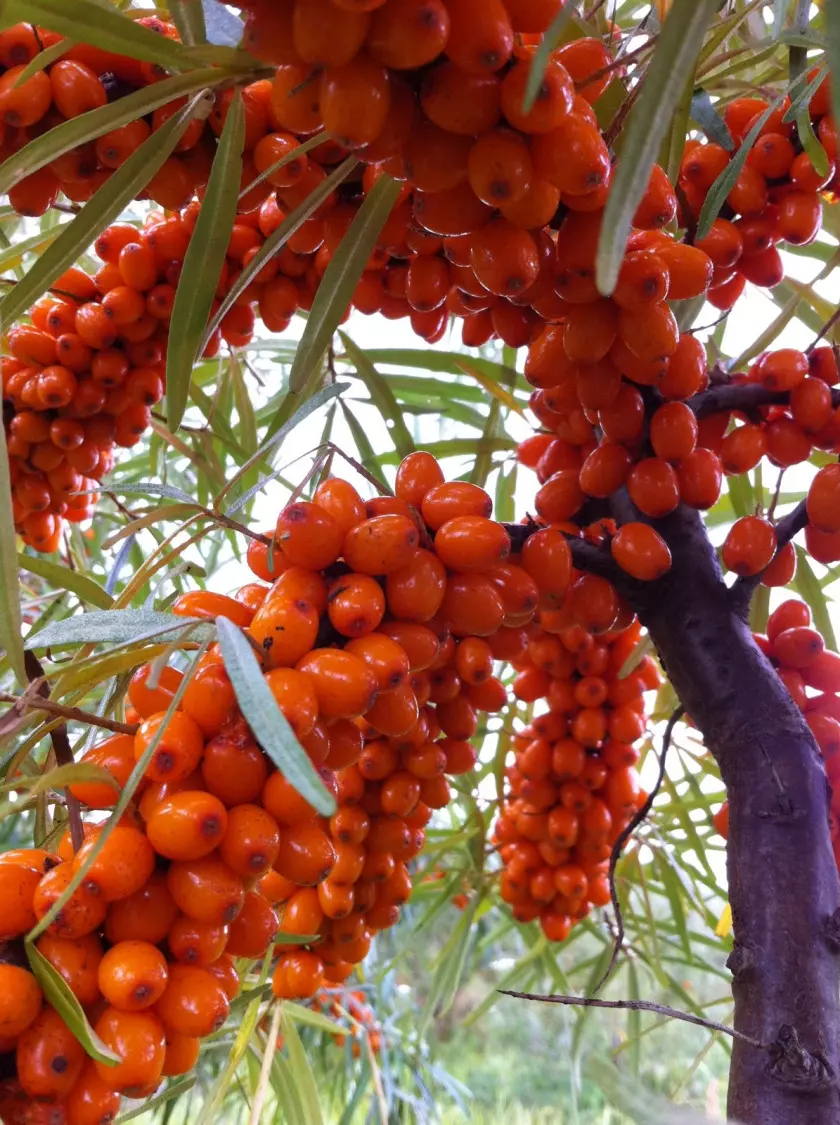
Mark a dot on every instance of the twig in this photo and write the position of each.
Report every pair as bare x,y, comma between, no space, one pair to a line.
742,591
641,1006
73,714
586,556
826,328
61,748
626,833
742,396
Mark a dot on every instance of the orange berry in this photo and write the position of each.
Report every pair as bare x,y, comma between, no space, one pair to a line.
641,551
132,975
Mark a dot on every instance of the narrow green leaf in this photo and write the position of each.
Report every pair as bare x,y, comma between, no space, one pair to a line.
326,394
58,993
301,1072
10,619
710,121
44,59
542,56
103,208
381,395
670,69
63,578
760,609
88,126
365,450
341,278
204,261
267,721
276,241
188,17
310,1018
112,626
148,488
807,585
451,963
102,26
780,8
831,14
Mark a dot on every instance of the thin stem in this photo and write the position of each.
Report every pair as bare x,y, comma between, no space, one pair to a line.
72,714
626,833
640,1006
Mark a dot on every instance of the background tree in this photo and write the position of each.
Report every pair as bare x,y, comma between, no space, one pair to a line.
609,201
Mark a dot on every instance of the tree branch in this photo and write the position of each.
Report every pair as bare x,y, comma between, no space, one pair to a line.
624,836
74,714
742,396
640,1006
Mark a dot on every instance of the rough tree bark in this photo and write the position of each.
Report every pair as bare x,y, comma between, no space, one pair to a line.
783,881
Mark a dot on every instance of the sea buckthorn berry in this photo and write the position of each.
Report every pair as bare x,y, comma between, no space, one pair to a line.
480,37
48,1058
20,1000
472,606
782,370
654,487
233,772
455,498
553,103
504,258
196,943
298,975
187,825
749,546
641,551
415,591
824,499
798,647
138,1039
309,535
285,627
673,431
251,841
700,478
389,662
144,916
206,889
548,560
381,544
356,605
789,615
407,34
132,975
193,1003
344,686
340,500
471,543
254,929
296,697
306,855
122,865
18,884
178,750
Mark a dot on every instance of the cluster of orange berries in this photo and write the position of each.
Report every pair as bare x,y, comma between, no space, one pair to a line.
351,1006
374,623
777,196
573,786
83,375
811,673
86,78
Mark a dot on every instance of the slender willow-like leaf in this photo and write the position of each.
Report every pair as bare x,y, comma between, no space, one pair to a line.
670,69
101,26
58,993
63,578
267,721
381,395
102,209
188,17
10,619
341,278
203,263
